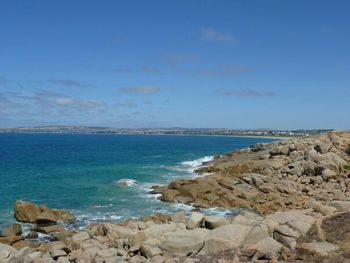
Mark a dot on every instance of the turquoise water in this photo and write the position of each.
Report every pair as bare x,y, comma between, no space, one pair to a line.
78,172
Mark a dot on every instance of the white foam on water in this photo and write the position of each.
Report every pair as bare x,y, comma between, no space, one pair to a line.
219,211
188,167
101,206
26,228
198,162
83,219
126,182
195,164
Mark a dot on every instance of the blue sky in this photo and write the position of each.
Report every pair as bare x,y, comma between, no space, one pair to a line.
231,64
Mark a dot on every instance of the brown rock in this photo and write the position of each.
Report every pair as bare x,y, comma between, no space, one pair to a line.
12,230
49,229
47,216
318,249
26,211
64,215
10,240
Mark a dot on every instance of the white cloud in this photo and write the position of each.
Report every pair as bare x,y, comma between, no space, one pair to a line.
210,34
246,93
69,83
140,90
126,105
64,101
224,70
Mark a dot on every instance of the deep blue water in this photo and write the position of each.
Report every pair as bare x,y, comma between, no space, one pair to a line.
78,172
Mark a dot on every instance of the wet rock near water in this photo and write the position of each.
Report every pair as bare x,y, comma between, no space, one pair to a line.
28,212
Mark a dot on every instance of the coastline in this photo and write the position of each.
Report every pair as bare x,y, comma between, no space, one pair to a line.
135,134
297,187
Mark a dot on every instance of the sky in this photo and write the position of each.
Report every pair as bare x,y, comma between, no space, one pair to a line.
208,64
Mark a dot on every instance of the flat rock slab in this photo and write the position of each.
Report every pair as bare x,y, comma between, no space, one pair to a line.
321,249
225,238
184,242
336,228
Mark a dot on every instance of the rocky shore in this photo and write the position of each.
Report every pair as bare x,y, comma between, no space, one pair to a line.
296,195
278,176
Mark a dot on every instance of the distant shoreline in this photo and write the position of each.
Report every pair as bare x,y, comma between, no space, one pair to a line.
161,134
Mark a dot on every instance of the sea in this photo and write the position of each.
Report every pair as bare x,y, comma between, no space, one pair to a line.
79,172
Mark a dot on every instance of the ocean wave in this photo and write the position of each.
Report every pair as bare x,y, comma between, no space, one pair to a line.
195,164
84,219
101,206
188,167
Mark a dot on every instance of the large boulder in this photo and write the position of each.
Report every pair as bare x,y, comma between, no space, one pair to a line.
8,254
323,147
295,219
257,233
116,232
336,228
225,238
183,243
159,231
341,206
267,247
80,237
317,249
26,211
195,221
150,252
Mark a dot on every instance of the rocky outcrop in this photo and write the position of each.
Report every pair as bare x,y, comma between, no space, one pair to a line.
28,212
275,176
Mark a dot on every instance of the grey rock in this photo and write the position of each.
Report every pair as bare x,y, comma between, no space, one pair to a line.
179,217
195,220
184,242
267,247
150,252
341,206
211,222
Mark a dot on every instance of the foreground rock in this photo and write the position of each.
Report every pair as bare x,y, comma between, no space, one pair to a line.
289,236
138,241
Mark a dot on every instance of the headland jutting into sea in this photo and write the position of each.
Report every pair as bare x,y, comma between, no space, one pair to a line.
295,200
